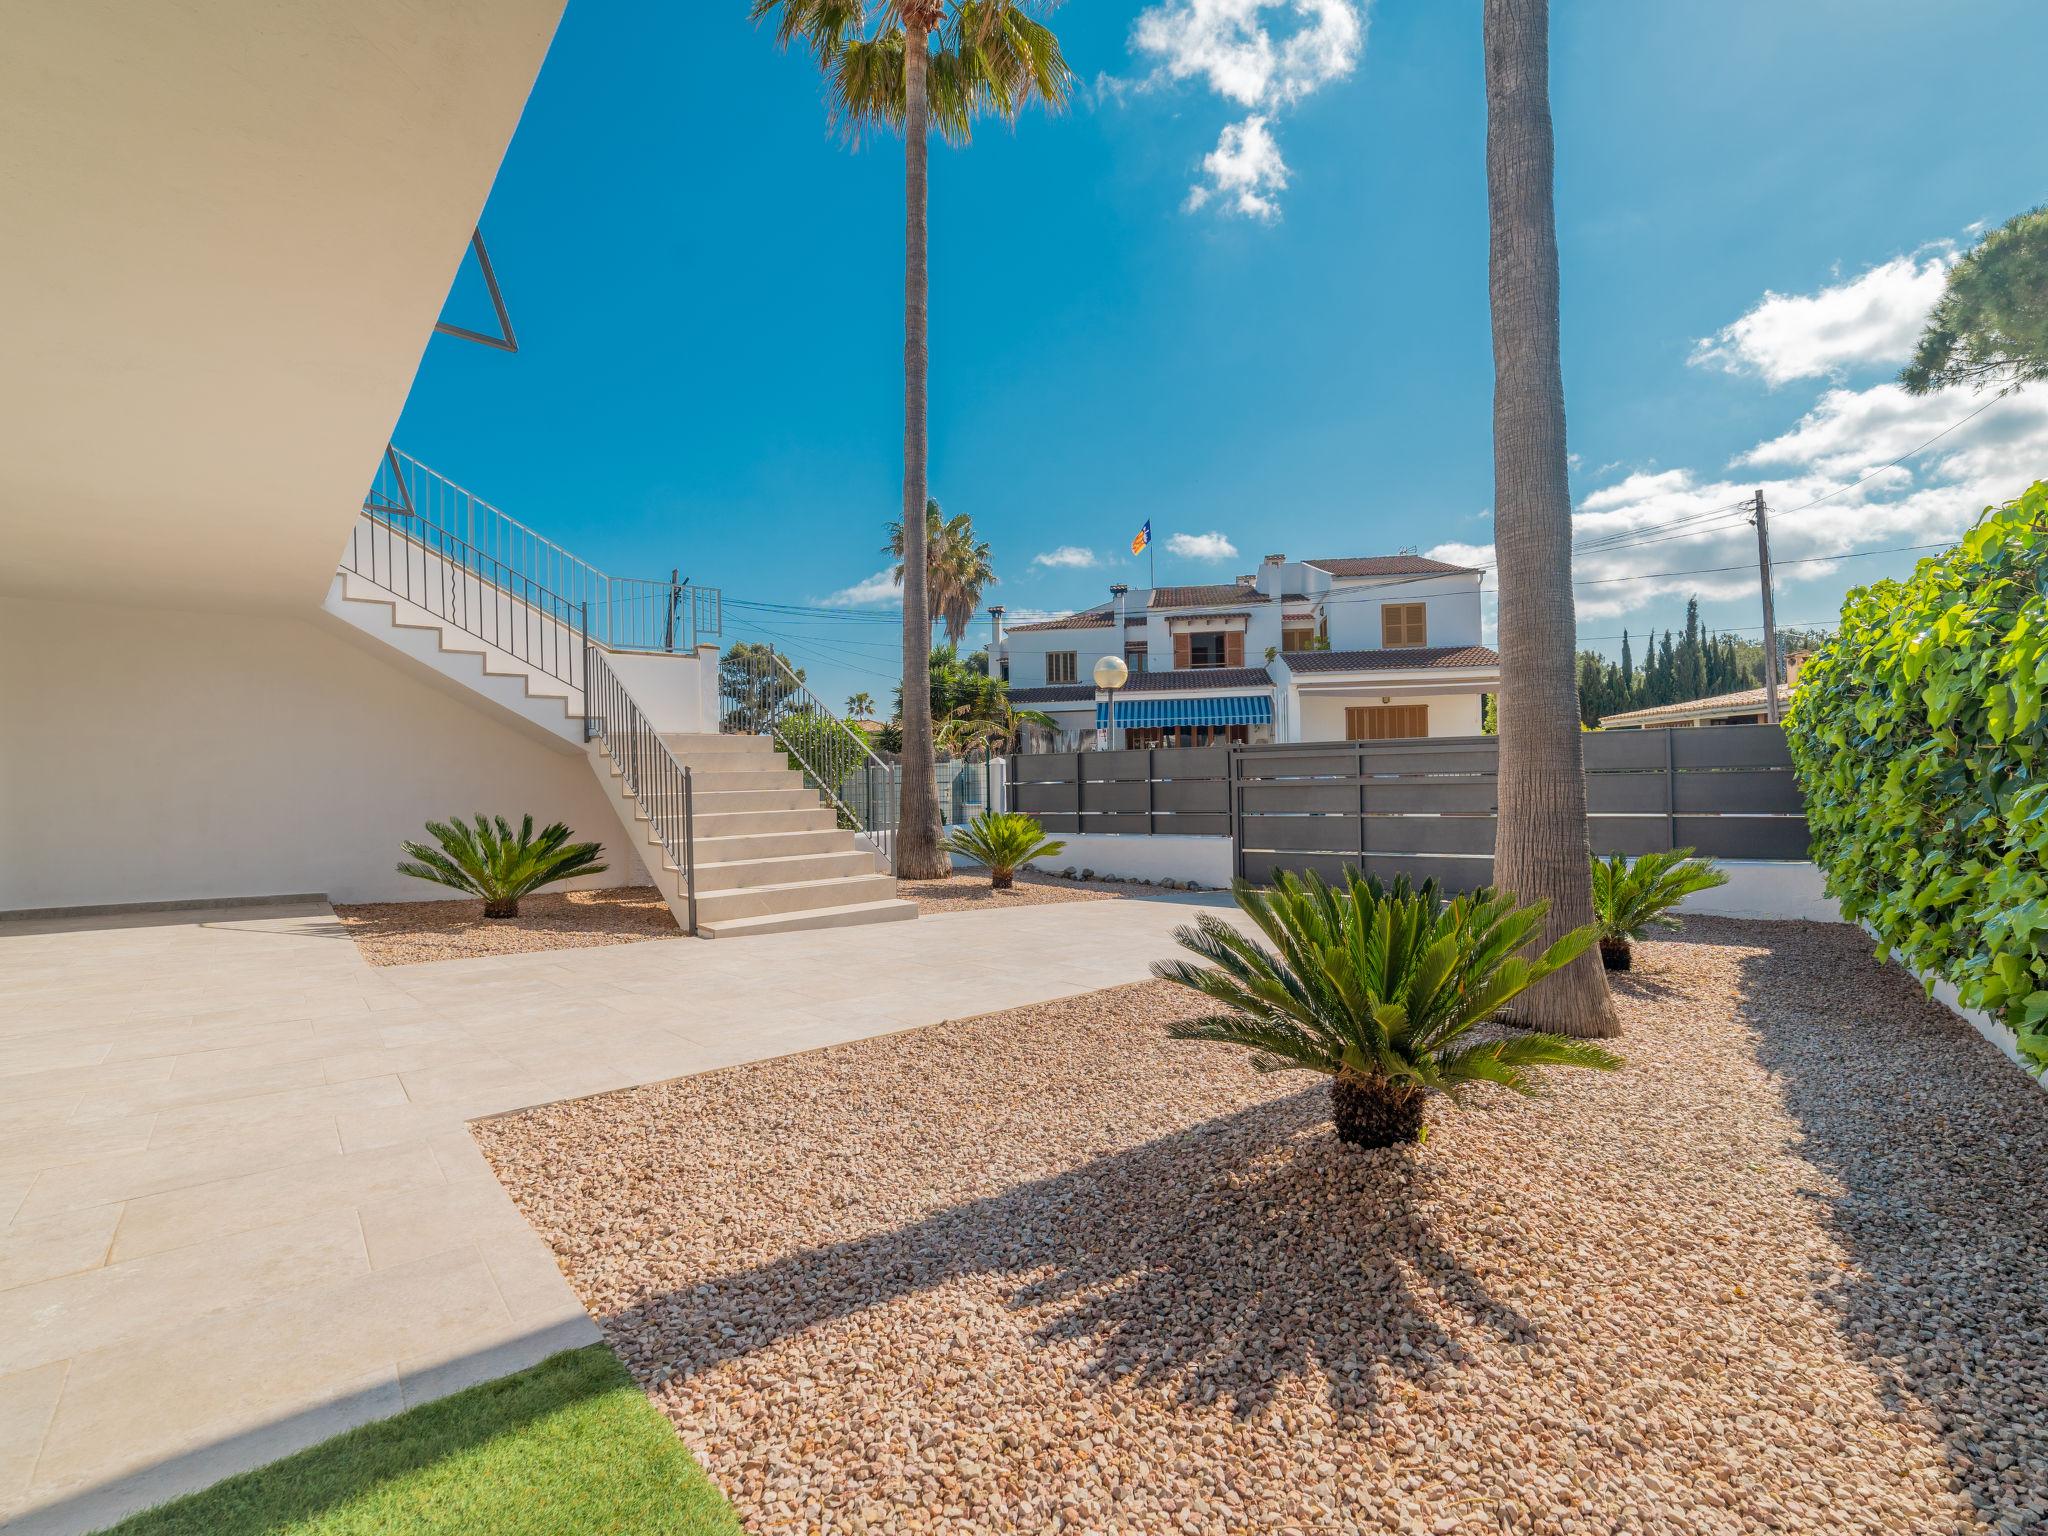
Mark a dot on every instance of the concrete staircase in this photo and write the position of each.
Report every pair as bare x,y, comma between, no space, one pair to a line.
481,670
771,856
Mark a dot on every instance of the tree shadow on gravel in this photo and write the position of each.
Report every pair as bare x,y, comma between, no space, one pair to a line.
1935,1146
1215,1264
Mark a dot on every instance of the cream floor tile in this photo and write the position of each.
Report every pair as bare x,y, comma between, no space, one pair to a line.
99,1308
82,1083
28,1401
61,1245
130,1175
50,1051
199,1123
204,1213
55,1146
211,1086
231,1376
408,1225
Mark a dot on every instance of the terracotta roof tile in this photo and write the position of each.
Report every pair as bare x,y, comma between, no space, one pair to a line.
1389,565
1392,659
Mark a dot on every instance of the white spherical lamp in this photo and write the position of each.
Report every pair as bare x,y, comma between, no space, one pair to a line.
1111,673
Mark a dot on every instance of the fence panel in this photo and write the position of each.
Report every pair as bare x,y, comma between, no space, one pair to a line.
1425,808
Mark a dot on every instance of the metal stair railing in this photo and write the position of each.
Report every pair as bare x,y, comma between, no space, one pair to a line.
626,613
464,587
660,786
760,695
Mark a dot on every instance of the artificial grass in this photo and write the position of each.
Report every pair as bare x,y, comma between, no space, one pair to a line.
569,1446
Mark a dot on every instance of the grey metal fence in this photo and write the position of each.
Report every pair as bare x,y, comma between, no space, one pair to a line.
1423,807
1160,791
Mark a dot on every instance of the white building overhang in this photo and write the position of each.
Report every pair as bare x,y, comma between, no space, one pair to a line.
229,230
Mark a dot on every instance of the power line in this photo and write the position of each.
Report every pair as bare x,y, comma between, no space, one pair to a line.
1715,570
1895,463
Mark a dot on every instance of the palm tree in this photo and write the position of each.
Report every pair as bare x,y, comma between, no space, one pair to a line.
860,706
990,57
1541,852
957,567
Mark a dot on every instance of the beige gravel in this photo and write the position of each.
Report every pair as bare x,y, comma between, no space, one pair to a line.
971,892
1048,1271
413,932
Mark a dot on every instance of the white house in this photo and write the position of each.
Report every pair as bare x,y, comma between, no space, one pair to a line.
225,670
1354,649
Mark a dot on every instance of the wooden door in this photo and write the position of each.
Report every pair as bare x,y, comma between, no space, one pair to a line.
1386,722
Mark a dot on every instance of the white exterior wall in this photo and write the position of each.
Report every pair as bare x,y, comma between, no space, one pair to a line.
676,693
1353,608
164,755
1321,715
1028,652
1204,860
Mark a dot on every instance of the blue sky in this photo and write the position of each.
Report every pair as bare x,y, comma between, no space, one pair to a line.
707,290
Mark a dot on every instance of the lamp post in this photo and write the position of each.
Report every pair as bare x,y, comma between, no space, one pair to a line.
1110,675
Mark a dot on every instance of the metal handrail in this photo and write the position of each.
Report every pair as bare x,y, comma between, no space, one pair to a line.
760,694
466,587
660,785
626,613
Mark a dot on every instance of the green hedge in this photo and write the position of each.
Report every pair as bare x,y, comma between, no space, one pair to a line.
1918,737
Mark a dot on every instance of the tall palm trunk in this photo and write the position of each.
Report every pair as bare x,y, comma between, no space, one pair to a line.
1541,851
918,854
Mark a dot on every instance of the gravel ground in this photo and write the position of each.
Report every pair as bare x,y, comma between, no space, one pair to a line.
1048,1271
971,892
411,932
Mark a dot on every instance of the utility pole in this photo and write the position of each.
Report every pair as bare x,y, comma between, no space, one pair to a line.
1763,566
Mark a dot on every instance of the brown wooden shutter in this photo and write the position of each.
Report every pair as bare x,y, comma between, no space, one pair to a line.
1233,648
1386,722
1181,657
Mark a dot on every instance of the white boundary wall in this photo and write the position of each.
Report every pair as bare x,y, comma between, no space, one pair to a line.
169,755
1780,890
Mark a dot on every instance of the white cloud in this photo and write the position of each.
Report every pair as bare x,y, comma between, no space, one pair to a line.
1201,546
1846,436
1067,557
878,588
1868,321
1244,169
1234,48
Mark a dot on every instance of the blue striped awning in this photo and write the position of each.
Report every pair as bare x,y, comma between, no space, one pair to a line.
1229,709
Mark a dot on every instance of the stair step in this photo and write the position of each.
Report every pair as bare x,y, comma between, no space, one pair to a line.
708,744
724,802
714,824
718,780
851,915
727,849
784,869
794,896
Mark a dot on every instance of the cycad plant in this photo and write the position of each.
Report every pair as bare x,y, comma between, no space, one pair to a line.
492,862
1631,898
1377,988
1003,840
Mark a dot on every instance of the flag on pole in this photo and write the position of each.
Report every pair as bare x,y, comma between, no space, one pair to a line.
1144,538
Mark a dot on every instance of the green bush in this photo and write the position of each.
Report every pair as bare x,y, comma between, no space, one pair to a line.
1917,734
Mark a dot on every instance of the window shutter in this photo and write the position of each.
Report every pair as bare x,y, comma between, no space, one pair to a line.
1180,650
1233,648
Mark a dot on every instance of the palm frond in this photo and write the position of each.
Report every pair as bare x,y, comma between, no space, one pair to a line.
486,858
1375,981
1631,896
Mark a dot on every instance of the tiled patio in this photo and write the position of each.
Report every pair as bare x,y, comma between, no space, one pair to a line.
239,1210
